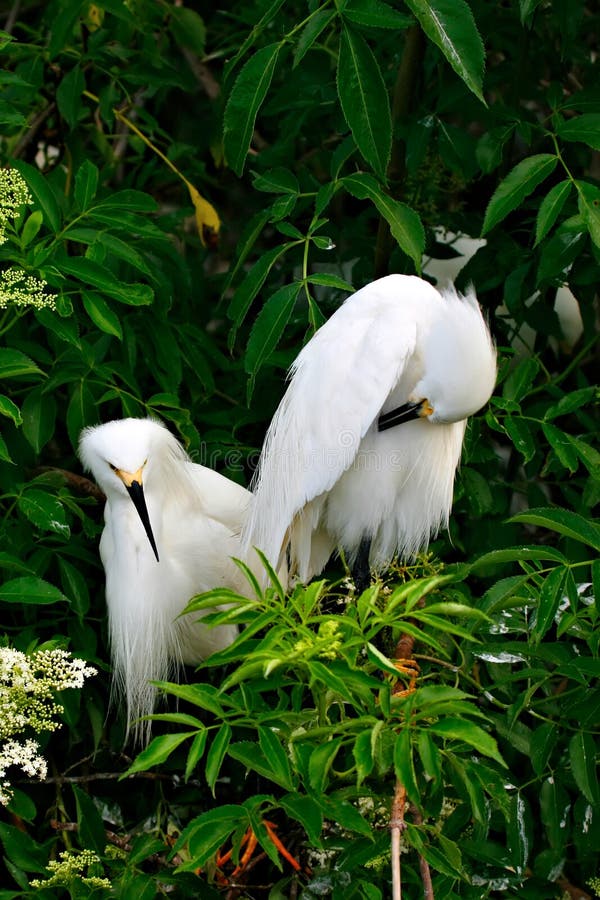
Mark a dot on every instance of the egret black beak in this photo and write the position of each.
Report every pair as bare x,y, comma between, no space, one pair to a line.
136,492
404,413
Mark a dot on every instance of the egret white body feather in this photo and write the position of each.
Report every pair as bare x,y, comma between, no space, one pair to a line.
327,476
195,517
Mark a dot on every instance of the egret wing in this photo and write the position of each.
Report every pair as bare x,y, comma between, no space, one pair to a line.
339,383
221,499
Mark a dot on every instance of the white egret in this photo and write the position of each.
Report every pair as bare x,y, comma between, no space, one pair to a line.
171,528
362,451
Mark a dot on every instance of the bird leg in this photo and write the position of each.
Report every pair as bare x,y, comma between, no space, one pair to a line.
361,572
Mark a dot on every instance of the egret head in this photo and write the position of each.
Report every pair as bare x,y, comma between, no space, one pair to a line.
124,456
459,363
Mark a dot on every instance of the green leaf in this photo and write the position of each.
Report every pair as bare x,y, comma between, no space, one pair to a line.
276,756
306,811
585,128
404,766
363,756
563,446
61,25
320,761
564,522
81,411
10,410
582,756
457,729
311,31
86,184
490,147
205,834
123,250
550,596
127,200
247,95
42,193
32,225
571,402
269,327
259,28
253,758
374,14
251,285
90,829
333,281
518,184
519,431
69,96
14,364
4,454
277,181
31,590
188,29
75,586
405,224
430,756
101,314
364,100
518,832
346,815
11,117
554,808
550,209
92,273
451,26
558,254
477,490
543,742
44,510
158,750
205,696
520,379
589,207
195,753
22,850
216,755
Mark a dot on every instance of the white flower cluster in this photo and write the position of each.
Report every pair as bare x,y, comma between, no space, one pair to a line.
69,867
13,194
27,686
17,288
26,757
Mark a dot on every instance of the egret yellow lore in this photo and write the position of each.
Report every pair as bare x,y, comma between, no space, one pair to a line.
363,449
171,530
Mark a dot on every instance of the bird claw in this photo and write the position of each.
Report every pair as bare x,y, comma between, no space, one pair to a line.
410,668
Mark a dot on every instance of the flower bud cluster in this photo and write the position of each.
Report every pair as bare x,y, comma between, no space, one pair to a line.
27,687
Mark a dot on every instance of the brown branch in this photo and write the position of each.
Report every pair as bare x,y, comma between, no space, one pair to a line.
423,864
78,483
397,826
98,776
12,17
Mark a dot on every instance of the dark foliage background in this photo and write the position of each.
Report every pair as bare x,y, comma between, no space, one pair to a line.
207,184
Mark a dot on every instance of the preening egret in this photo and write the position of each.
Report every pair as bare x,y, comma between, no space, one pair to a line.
171,528
362,451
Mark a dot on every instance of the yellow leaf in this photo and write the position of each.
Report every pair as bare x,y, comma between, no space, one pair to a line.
207,219
93,17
